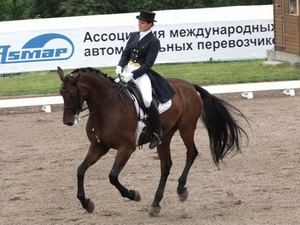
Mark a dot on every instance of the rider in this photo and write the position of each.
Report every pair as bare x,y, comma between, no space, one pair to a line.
136,61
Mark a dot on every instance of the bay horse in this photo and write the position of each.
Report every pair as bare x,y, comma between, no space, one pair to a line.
112,124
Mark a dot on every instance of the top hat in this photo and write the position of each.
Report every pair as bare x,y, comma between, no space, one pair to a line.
146,16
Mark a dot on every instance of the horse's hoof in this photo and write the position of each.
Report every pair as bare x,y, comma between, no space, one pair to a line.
154,211
91,207
137,196
183,196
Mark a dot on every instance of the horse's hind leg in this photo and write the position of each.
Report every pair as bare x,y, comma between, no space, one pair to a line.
163,151
187,136
92,156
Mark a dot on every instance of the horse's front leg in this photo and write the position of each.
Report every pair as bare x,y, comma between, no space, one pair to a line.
120,161
95,152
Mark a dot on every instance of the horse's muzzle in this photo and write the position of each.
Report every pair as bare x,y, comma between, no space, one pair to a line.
71,120
69,123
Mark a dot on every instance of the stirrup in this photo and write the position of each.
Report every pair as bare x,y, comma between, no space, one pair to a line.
155,141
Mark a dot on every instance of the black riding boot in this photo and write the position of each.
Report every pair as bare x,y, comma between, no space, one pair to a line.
154,119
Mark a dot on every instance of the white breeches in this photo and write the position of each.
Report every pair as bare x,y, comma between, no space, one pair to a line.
143,83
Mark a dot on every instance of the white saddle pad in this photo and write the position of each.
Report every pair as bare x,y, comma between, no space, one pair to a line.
162,107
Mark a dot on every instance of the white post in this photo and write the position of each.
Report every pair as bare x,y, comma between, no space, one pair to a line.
290,92
248,94
46,108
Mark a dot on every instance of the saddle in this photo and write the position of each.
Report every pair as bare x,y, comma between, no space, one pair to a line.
144,130
133,89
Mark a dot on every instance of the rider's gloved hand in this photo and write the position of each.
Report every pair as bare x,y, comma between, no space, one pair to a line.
126,77
119,70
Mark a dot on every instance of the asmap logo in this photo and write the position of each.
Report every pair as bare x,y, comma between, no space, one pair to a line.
45,47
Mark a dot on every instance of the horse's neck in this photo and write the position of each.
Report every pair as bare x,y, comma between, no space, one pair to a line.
100,90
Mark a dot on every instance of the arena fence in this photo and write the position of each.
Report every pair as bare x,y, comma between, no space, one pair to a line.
246,90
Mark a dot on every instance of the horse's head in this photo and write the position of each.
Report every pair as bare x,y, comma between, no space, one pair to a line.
72,95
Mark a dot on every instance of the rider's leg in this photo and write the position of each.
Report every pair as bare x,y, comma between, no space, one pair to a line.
155,124
144,84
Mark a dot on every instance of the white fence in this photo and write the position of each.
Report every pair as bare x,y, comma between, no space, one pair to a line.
246,89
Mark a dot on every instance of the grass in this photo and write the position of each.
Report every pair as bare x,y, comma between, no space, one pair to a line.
230,72
46,82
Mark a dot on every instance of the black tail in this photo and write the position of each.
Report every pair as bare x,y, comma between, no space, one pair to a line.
223,130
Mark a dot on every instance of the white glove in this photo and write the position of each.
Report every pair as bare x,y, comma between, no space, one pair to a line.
126,77
119,70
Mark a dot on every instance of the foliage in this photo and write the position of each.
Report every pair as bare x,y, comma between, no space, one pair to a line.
44,9
14,9
87,7
30,9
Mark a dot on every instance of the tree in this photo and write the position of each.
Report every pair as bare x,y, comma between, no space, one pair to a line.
3,10
136,5
45,8
27,9
88,7
14,9
240,2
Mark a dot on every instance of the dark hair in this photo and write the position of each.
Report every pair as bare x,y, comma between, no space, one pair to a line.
150,22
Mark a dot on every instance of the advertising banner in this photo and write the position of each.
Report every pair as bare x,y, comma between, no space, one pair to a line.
192,35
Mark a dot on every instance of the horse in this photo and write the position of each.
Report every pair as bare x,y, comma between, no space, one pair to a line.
112,124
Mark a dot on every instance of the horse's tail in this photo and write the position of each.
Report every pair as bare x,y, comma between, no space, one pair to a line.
224,132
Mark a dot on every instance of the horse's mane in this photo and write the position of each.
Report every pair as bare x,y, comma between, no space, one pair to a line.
92,70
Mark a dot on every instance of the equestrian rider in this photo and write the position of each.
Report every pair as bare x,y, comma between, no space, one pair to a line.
136,61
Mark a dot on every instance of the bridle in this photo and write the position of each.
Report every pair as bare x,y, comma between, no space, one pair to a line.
121,87
79,94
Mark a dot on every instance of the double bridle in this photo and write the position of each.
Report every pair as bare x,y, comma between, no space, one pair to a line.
79,95
121,87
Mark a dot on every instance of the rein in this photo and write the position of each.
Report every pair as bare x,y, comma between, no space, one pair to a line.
121,87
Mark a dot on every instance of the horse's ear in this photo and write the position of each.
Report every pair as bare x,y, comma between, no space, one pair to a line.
60,73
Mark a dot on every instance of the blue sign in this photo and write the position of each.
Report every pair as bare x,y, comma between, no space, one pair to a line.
35,51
